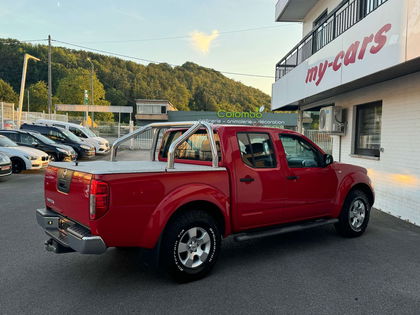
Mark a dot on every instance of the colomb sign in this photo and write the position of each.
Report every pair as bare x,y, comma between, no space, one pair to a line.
370,44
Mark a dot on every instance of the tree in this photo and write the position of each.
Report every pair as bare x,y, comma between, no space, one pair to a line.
7,94
38,97
71,90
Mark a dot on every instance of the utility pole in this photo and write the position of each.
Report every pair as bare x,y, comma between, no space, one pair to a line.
49,77
26,57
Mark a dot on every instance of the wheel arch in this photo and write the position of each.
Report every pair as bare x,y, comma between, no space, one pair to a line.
212,209
20,160
365,189
186,198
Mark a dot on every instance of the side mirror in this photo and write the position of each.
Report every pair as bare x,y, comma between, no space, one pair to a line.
35,144
328,159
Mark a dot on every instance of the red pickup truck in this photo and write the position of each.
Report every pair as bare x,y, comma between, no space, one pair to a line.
206,182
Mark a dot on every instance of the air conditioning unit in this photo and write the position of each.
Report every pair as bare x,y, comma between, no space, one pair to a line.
331,119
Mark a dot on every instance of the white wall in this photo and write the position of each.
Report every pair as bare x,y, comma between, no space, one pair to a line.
396,175
316,11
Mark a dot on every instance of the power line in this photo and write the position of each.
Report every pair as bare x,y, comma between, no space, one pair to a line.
182,36
152,61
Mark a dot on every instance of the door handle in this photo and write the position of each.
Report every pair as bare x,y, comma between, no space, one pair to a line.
292,177
246,179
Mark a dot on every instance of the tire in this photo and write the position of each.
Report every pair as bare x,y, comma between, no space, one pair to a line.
354,217
190,246
18,165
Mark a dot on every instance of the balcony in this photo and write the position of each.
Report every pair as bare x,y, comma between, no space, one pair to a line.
293,10
347,14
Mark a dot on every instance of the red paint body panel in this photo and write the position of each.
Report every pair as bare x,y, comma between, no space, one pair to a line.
140,204
74,205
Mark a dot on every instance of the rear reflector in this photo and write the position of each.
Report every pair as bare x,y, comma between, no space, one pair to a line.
98,199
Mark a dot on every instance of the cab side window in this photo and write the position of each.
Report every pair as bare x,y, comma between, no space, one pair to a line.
27,139
55,135
256,150
299,152
77,132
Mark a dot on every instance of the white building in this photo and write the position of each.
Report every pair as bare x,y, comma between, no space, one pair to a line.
362,56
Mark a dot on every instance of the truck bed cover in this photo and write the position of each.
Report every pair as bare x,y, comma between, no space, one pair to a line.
119,167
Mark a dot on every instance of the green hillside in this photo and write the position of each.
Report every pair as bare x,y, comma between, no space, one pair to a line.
119,82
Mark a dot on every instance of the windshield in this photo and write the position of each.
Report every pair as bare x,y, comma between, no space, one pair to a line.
70,135
6,142
88,132
42,138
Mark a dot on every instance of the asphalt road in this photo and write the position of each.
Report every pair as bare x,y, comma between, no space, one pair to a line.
311,272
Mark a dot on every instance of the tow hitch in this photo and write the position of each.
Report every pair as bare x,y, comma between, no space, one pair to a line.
52,245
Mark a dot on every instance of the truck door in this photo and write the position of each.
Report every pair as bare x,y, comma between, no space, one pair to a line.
311,187
258,184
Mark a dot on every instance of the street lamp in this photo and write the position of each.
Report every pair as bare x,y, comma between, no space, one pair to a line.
26,57
91,86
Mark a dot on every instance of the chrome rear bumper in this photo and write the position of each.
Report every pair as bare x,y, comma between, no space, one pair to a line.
67,235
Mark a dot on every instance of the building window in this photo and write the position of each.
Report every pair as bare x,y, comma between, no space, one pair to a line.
163,109
320,19
368,129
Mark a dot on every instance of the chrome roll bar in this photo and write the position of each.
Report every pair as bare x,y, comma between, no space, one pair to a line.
193,127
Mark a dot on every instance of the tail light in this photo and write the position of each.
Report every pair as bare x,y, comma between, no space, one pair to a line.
51,170
98,199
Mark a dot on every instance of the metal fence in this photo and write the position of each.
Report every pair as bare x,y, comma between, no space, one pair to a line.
348,13
323,140
8,116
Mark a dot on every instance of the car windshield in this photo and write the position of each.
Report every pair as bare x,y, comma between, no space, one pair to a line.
42,138
6,142
70,135
88,132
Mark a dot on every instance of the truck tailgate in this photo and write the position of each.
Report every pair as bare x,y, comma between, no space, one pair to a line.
67,192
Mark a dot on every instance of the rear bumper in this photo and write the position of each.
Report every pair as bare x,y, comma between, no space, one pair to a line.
68,234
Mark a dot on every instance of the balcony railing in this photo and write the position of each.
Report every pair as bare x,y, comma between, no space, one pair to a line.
336,23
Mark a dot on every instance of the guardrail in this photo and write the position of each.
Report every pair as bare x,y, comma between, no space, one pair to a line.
157,127
343,17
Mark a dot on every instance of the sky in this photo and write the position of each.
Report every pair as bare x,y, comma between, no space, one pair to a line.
237,36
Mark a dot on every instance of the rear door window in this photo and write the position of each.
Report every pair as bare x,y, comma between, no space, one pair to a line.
77,132
257,150
12,136
196,147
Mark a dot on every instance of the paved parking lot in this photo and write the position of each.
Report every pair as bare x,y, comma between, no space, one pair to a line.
314,271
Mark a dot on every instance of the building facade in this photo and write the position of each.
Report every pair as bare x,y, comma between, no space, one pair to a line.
150,110
362,56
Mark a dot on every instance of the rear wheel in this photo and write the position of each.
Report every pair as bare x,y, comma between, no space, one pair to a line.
354,217
191,245
18,165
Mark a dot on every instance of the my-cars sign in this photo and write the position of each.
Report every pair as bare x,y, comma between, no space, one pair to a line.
373,44
346,58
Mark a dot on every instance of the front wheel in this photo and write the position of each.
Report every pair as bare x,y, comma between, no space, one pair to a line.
191,245
354,217
17,165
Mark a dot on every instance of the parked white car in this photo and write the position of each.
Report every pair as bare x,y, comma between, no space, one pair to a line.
5,166
23,158
85,134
